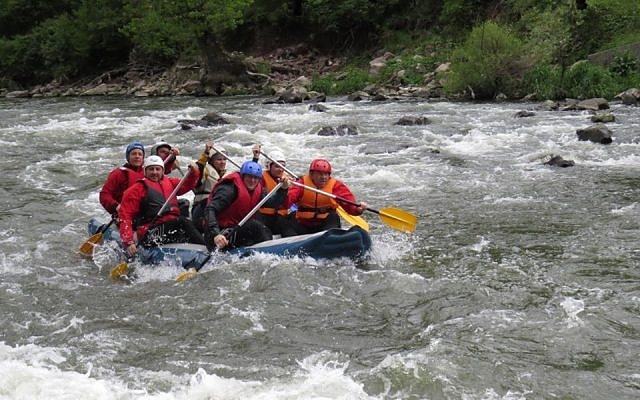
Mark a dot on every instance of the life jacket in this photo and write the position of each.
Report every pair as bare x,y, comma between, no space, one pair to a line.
154,199
269,184
208,180
315,207
243,203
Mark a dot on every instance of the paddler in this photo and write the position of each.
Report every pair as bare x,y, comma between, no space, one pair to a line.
317,212
165,151
233,197
212,166
121,178
277,219
142,202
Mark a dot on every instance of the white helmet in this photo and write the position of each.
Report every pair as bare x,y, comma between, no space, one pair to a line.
162,143
153,160
278,156
220,149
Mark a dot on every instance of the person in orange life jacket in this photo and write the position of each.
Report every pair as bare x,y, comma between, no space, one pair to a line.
122,178
142,202
277,219
317,212
212,166
233,197
164,150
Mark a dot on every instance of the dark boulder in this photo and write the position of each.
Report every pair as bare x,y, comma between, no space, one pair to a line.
341,130
318,107
211,119
597,133
409,121
524,114
557,161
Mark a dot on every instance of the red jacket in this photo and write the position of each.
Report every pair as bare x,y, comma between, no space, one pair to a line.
132,202
339,189
119,180
242,204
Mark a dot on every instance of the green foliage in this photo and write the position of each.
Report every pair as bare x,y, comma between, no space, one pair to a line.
63,47
489,62
352,80
625,65
162,29
583,80
20,16
545,80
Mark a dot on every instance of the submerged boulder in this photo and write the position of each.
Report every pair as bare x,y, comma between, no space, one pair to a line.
597,133
340,130
211,119
557,161
409,121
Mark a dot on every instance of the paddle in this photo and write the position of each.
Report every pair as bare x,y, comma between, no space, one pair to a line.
351,219
86,249
227,232
123,267
393,217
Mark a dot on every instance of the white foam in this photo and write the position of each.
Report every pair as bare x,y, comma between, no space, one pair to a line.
572,307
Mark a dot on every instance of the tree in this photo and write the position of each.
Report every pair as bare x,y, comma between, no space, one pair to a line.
166,28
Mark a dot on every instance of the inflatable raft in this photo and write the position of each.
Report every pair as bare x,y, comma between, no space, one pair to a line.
332,243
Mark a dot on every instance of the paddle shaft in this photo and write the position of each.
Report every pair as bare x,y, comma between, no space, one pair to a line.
260,203
333,196
226,156
171,196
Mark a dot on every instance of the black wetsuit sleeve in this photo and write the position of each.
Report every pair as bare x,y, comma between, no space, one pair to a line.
222,197
278,198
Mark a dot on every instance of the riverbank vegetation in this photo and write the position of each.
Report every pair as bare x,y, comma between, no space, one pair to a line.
509,48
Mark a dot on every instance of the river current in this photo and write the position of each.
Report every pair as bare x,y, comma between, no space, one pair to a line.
521,281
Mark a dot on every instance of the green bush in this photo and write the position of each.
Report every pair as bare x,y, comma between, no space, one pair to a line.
585,80
625,64
545,80
582,81
352,80
491,61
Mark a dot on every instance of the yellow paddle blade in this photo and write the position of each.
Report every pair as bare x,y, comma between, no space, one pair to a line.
87,247
353,220
119,270
398,219
186,275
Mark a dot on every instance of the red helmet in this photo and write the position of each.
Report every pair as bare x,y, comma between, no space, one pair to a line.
320,165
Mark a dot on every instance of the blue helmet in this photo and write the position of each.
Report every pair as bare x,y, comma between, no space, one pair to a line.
132,146
251,168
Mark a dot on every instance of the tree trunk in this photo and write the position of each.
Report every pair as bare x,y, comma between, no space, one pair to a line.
219,66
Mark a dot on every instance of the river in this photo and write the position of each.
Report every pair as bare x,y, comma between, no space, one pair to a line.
521,281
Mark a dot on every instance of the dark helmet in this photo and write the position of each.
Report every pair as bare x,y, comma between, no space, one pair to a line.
320,165
132,146
251,168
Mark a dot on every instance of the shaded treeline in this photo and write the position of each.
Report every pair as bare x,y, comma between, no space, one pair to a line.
65,40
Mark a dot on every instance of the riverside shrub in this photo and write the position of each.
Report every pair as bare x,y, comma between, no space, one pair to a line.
489,62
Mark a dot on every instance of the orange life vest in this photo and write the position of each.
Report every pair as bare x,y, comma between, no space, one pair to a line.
314,207
269,184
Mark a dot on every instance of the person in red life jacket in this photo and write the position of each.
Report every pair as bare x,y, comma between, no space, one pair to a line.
277,219
317,212
233,197
165,151
142,202
122,178
212,166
